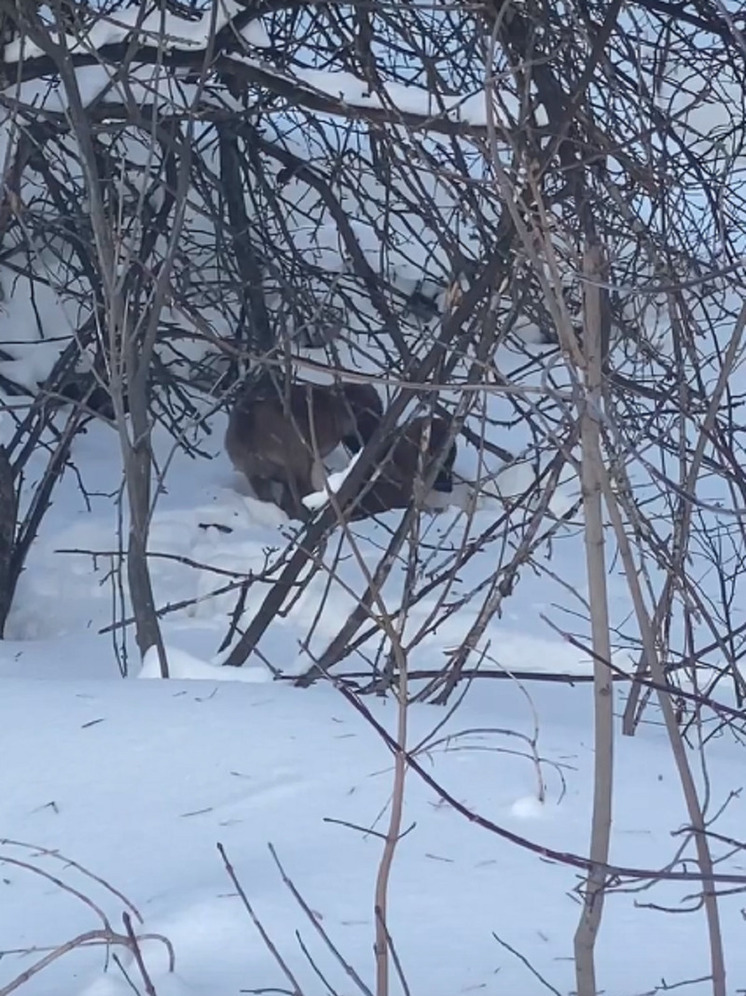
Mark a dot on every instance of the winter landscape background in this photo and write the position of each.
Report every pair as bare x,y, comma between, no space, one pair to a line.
493,747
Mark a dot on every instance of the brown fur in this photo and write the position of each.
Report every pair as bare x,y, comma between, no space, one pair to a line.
404,463
282,441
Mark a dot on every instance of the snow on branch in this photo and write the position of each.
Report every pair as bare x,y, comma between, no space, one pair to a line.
161,29
179,46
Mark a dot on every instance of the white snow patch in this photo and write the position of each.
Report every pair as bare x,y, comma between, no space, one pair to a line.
528,807
161,27
333,483
256,34
139,780
183,665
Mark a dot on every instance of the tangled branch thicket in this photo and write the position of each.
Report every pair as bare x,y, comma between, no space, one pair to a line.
407,193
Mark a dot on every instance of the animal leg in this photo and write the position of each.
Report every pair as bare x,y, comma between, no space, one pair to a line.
291,503
263,488
318,476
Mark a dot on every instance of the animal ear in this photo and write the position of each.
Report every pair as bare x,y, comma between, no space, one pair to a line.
352,442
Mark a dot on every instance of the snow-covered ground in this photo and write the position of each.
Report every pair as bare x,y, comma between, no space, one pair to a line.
206,526
139,780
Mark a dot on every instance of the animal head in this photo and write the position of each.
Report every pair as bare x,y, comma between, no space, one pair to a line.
394,485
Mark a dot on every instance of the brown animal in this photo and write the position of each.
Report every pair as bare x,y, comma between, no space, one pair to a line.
406,461
282,441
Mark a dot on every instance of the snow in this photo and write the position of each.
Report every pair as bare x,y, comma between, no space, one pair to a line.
139,780
183,665
256,34
332,484
179,34
160,27
408,99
